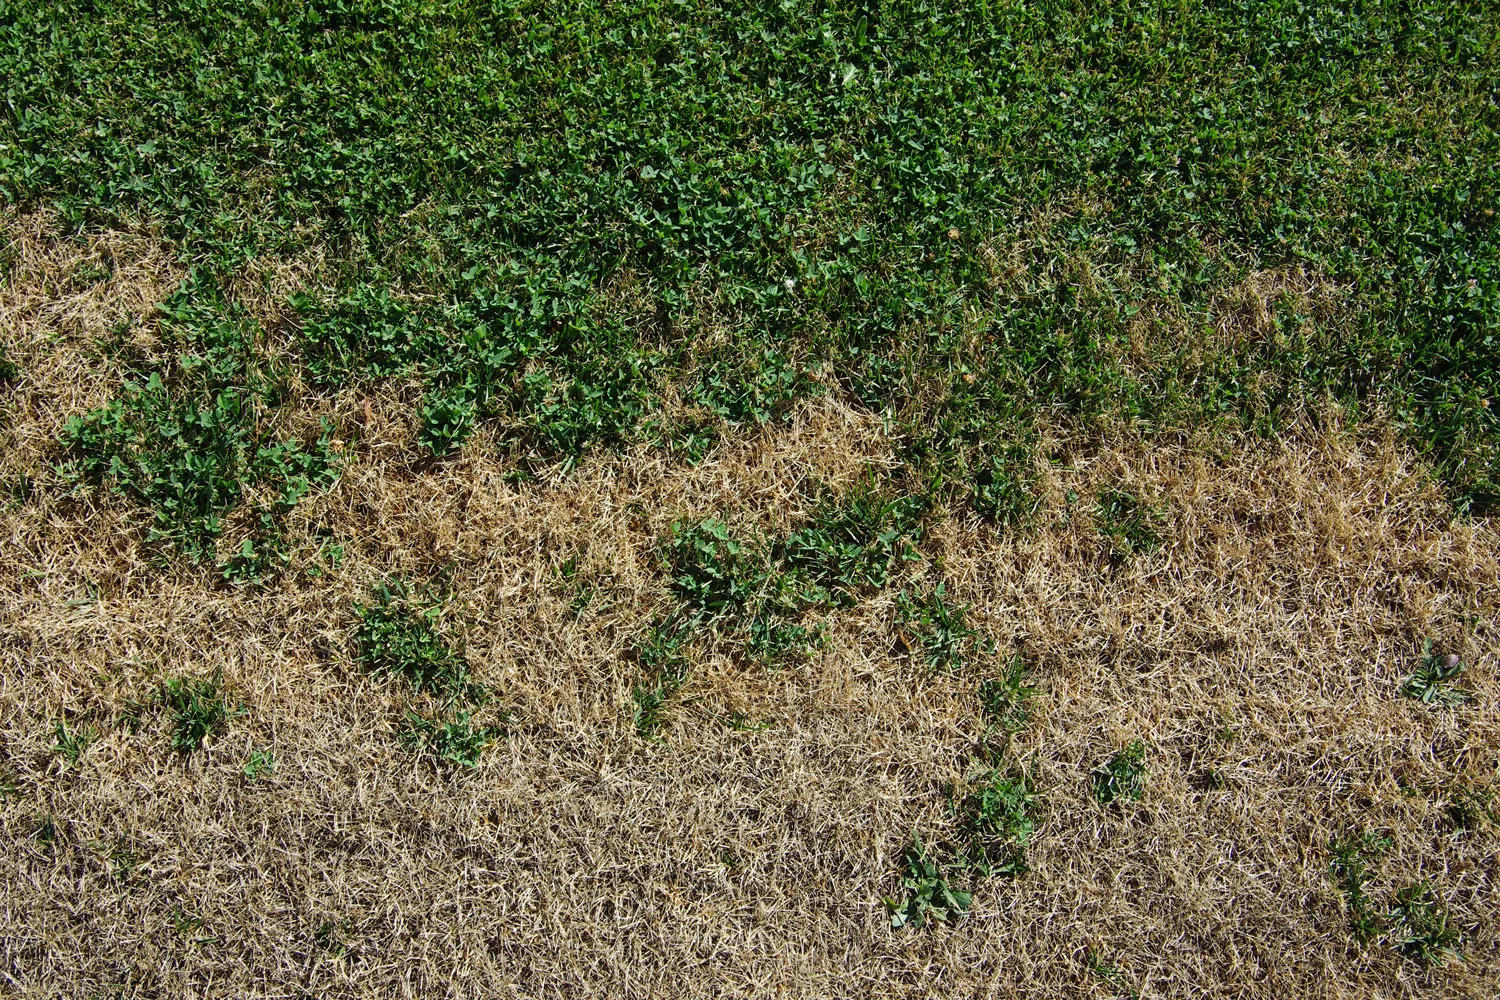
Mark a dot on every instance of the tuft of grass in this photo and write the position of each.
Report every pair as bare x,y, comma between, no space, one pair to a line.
937,631
1123,776
1470,807
1432,682
196,709
929,897
1350,868
713,573
1419,927
1006,700
662,655
398,637
10,372
71,743
853,544
456,740
259,762
1128,524
994,821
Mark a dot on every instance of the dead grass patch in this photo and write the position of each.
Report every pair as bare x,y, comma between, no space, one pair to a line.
1257,653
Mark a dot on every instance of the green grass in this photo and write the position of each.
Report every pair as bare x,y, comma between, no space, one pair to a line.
398,636
980,219
937,632
1350,868
1420,930
196,709
456,740
993,812
72,741
1123,776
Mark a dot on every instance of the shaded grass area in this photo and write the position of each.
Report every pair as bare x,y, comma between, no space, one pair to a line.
589,224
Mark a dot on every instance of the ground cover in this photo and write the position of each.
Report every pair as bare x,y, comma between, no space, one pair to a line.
680,498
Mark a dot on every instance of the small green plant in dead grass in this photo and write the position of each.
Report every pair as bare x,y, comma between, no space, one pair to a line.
196,708
71,742
1351,871
258,763
853,544
454,740
662,655
713,573
1006,699
1111,976
10,373
1433,681
1416,925
992,809
1470,807
398,636
1128,523
1420,928
929,896
937,631
1123,776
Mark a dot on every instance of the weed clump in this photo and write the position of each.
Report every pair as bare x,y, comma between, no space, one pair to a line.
190,439
398,637
994,822
937,632
1350,868
1432,683
196,708
929,896
1123,776
72,742
854,544
456,740
1127,523
10,372
1420,929
1006,700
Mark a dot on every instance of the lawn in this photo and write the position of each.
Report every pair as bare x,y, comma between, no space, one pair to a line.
813,499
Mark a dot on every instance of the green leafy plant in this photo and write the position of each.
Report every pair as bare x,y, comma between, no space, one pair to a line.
664,665
191,440
714,574
1432,682
398,636
456,740
196,709
992,810
1123,776
1350,869
1129,524
258,763
72,742
852,544
1006,699
447,419
1004,488
929,897
937,631
1419,927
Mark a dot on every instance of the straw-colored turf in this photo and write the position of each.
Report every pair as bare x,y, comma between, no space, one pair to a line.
1265,642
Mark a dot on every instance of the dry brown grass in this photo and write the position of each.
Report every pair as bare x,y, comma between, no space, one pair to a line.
578,860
